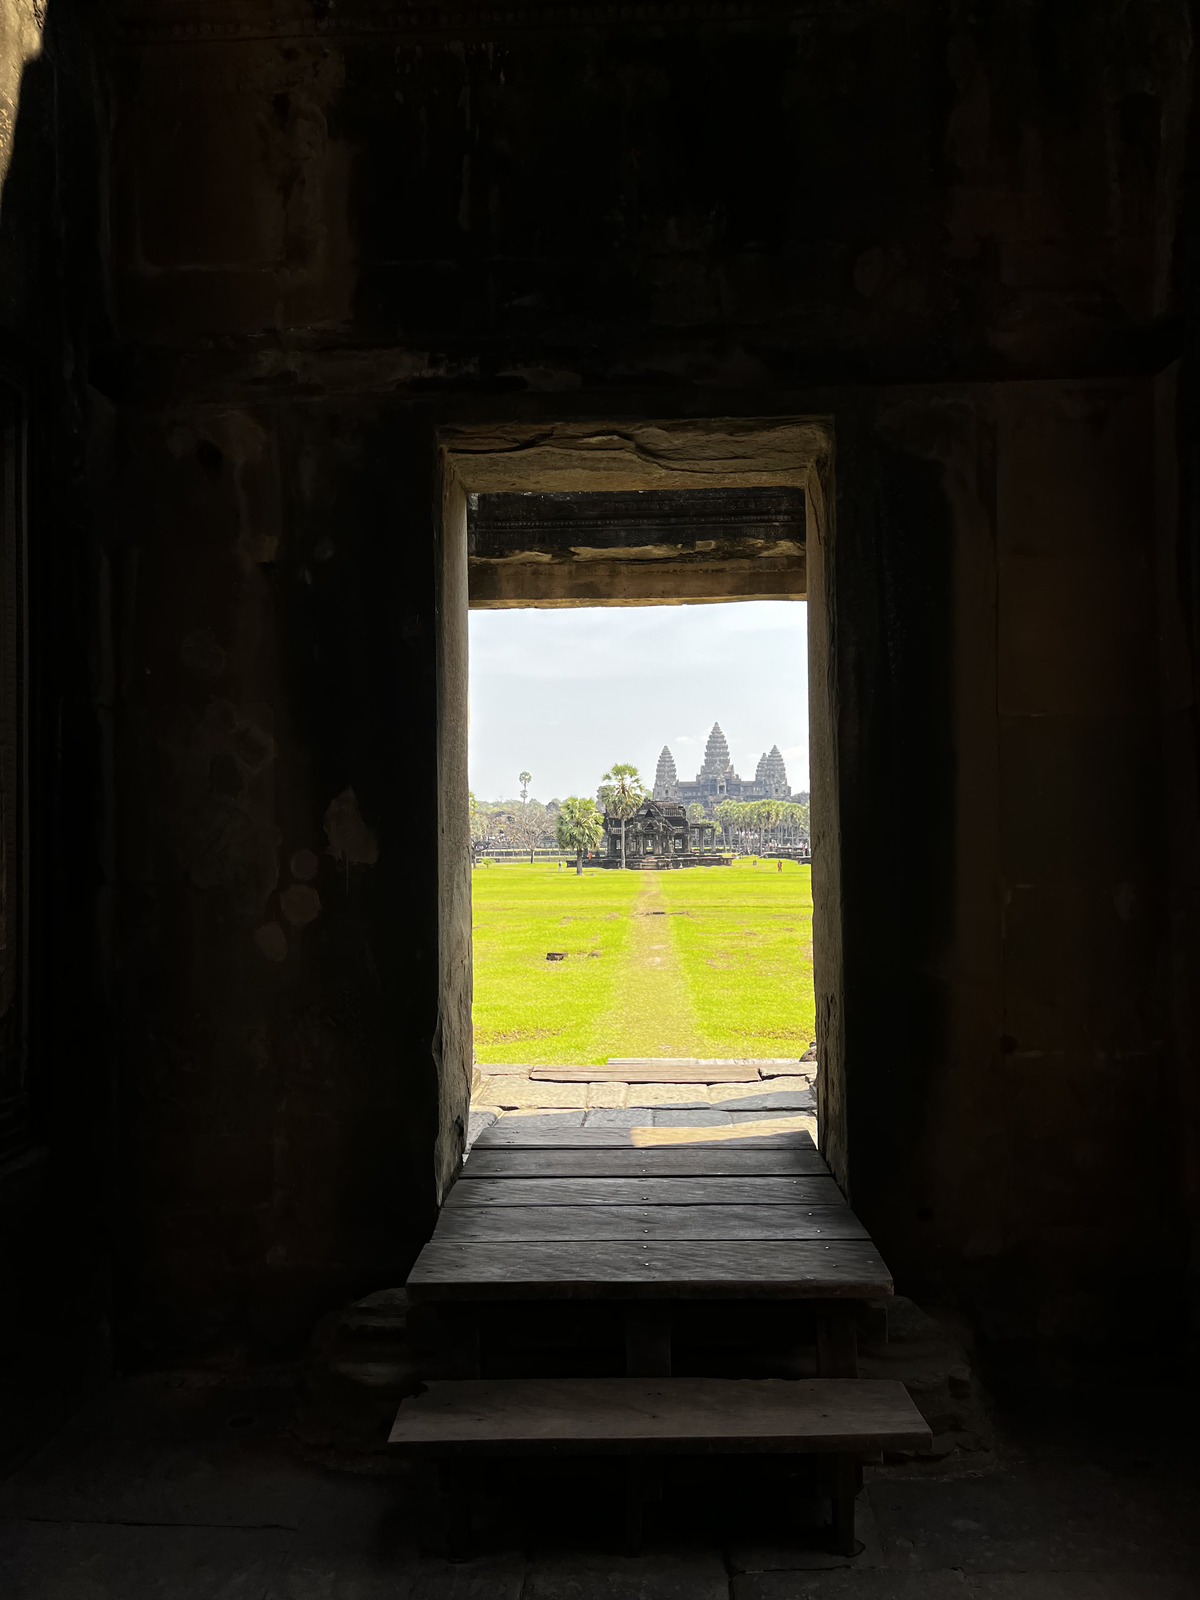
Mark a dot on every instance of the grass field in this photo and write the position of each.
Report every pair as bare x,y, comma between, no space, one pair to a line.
710,961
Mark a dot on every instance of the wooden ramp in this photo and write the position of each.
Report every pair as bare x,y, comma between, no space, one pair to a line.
654,1219
598,1212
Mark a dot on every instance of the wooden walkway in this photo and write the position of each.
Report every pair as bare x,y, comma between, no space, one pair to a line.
654,1214
662,1218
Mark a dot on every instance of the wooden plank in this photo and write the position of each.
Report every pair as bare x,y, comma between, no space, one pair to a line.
636,1073
749,1190
786,1270
859,1416
777,1131
543,1224
680,1161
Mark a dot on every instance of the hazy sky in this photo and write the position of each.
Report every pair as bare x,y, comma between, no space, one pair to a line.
563,694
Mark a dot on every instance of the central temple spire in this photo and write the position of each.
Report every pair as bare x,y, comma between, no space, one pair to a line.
717,761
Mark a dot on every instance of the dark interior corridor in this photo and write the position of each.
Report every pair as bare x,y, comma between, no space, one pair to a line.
282,283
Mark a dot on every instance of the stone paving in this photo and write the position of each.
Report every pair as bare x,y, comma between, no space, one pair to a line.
505,1092
192,1486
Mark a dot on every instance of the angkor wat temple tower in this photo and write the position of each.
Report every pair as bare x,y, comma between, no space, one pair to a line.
717,781
771,775
718,763
666,779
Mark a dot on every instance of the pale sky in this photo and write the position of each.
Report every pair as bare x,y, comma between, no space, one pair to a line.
564,694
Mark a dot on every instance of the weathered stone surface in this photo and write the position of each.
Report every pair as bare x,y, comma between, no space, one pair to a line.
933,1360
721,1093
611,1095
514,1093
661,1575
666,1094
255,262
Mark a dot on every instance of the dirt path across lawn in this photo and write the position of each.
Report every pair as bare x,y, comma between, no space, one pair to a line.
651,991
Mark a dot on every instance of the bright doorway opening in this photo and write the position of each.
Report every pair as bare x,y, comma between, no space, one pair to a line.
641,868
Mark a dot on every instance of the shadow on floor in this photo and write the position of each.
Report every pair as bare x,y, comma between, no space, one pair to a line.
185,1487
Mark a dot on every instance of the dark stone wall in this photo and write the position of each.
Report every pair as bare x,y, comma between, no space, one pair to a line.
279,946
877,190
953,229
56,1324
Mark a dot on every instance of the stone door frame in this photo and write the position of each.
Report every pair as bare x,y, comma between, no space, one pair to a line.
603,456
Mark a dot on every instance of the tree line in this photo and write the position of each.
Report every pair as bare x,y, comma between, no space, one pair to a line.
576,824
522,824
762,824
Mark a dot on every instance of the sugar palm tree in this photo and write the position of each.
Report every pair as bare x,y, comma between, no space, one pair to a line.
727,815
523,778
769,813
621,793
579,827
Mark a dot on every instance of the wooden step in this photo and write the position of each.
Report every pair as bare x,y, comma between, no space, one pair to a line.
790,1269
848,1419
672,1415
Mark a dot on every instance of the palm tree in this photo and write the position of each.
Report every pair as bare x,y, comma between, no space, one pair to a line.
727,815
579,827
739,821
769,812
523,778
621,792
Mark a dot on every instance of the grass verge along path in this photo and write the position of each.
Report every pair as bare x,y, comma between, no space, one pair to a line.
744,940
528,1008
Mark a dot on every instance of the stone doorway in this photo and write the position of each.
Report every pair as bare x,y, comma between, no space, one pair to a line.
583,515
681,938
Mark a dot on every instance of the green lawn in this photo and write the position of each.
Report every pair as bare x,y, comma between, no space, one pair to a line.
711,961
744,941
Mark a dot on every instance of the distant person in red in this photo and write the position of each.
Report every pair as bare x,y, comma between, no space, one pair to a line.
779,864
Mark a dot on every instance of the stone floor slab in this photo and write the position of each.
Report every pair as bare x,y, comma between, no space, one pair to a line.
802,1555
111,1561
499,1577
354,1575
851,1584
1068,1518
718,1093
543,1119
656,1575
610,1096
520,1094
770,1101
168,1451
684,1116
1084,1586
666,1094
